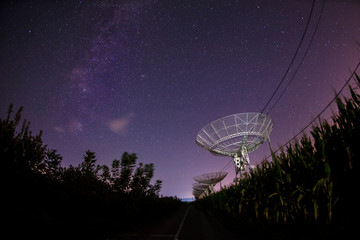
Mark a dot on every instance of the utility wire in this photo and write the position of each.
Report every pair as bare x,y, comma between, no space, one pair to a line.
312,121
312,38
293,59
226,166
232,160
297,69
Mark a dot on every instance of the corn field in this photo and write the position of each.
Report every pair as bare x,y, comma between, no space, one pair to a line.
313,180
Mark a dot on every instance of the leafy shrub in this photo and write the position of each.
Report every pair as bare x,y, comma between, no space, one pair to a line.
88,201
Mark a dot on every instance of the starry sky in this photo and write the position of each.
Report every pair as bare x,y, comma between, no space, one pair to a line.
146,76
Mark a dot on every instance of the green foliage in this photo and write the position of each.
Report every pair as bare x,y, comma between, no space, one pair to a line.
23,153
38,191
121,180
311,181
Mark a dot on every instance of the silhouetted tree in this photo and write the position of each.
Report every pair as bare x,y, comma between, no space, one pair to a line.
71,174
24,153
154,190
38,191
122,172
53,164
105,175
140,184
128,162
88,167
115,169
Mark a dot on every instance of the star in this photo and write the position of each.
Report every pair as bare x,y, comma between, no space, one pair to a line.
146,76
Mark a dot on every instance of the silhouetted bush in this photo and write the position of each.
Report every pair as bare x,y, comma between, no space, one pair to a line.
42,199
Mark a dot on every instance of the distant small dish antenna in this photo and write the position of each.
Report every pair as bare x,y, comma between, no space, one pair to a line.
200,190
199,193
200,187
236,136
206,182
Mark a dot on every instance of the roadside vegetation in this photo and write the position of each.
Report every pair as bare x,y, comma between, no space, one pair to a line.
43,199
312,181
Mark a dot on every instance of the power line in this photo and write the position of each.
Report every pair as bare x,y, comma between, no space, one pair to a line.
232,160
226,166
293,59
312,121
306,51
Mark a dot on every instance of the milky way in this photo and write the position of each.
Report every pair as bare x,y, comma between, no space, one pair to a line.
146,76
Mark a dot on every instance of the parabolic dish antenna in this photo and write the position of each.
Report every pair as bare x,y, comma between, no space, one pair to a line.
200,187
210,180
200,190
236,136
198,193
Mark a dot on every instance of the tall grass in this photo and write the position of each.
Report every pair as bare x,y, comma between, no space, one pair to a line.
313,180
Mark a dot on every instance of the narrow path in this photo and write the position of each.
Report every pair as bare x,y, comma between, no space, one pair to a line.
170,228
191,223
182,223
199,225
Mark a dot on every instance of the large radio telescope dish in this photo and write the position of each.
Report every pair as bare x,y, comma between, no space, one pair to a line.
236,136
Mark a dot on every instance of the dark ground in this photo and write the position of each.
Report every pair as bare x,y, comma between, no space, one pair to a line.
187,222
194,222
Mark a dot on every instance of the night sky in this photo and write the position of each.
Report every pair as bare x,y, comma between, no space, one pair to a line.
146,76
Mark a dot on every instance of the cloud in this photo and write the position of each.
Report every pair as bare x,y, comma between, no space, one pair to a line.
59,129
73,126
119,125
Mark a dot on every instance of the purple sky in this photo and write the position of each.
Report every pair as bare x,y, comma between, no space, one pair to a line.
146,76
